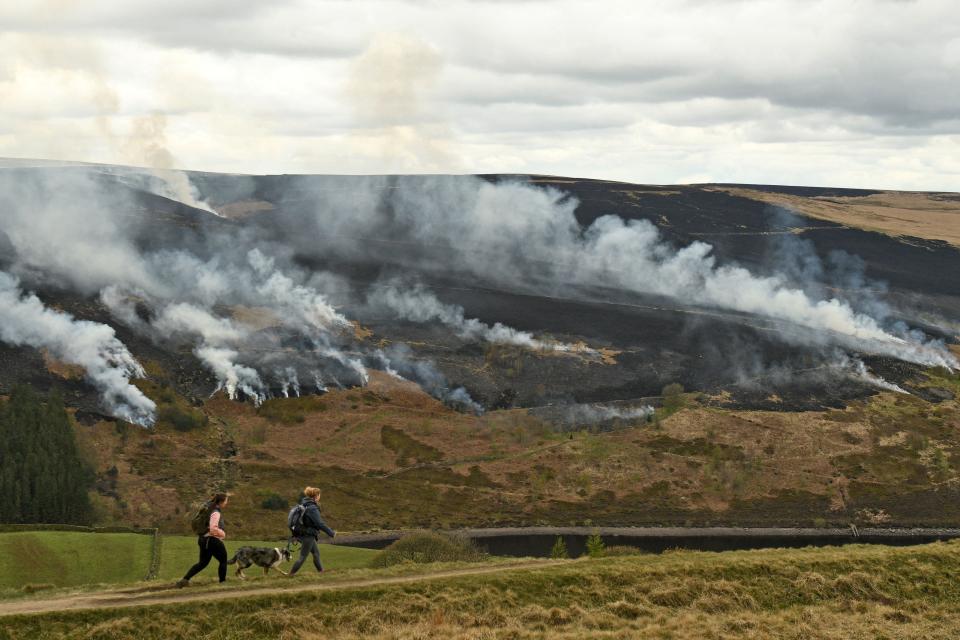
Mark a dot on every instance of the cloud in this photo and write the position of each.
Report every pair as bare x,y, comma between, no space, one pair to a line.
561,87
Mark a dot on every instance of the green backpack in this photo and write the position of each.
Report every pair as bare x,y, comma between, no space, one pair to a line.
201,519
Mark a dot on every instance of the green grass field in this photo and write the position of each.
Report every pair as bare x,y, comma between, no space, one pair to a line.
68,559
72,559
180,552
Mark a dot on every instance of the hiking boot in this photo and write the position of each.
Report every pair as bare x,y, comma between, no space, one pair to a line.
182,582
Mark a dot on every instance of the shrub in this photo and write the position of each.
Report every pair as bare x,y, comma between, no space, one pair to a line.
595,546
258,435
672,396
623,550
274,502
291,410
182,419
559,549
33,587
424,547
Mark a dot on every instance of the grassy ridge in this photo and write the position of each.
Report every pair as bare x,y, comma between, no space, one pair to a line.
850,592
70,558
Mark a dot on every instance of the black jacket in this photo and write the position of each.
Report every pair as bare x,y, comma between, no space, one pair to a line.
312,523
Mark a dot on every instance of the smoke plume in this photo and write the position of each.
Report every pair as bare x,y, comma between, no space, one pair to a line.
416,304
528,239
108,365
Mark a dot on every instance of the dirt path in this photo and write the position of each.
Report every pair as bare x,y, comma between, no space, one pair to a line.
168,594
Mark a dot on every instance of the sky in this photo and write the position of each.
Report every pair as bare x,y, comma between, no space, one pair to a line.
850,93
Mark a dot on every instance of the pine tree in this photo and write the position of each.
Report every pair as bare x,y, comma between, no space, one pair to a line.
595,546
559,549
43,477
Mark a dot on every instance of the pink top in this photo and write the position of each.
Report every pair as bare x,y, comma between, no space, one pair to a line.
214,529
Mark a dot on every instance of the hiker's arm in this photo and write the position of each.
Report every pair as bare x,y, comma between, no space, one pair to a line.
214,528
322,526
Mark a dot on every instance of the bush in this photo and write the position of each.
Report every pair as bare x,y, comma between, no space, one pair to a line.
274,502
426,546
559,549
35,587
672,396
182,419
595,546
623,550
291,410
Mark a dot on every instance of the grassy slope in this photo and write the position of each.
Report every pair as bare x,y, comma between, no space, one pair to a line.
69,558
389,457
849,592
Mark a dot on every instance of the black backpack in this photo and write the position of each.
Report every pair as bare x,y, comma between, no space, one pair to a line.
295,519
200,524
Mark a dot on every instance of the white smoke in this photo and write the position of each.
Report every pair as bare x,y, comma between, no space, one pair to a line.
109,366
318,382
528,239
289,382
399,361
75,227
232,377
416,304
296,304
147,145
217,335
594,413
578,416
859,370
185,318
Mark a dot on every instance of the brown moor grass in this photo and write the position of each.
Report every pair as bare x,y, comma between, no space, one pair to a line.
849,592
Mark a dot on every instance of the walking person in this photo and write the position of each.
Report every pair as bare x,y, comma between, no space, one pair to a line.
311,524
210,541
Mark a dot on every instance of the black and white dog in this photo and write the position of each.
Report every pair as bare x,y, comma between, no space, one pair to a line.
260,556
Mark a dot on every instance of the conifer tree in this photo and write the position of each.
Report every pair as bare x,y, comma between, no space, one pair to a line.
43,477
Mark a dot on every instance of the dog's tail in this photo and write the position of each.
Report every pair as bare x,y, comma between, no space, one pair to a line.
233,560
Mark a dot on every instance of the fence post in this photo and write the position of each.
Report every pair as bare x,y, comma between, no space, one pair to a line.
156,549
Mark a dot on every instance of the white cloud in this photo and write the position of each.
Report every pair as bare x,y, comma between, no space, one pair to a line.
829,92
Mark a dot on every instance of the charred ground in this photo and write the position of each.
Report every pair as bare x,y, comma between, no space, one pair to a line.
767,434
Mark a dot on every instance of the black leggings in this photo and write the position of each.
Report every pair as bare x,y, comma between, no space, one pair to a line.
308,546
210,548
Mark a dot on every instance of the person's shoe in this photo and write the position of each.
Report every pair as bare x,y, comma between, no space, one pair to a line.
182,582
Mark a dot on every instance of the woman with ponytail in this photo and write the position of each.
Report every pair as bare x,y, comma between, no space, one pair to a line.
211,541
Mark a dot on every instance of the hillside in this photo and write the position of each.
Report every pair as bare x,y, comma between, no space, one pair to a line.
489,350
389,456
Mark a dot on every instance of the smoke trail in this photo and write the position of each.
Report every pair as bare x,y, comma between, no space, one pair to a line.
578,416
858,369
417,304
289,381
298,304
232,377
216,334
594,413
147,145
109,366
398,360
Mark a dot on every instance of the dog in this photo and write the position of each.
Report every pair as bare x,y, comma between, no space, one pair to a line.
260,556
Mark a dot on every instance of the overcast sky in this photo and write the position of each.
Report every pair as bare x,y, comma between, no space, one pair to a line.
836,92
